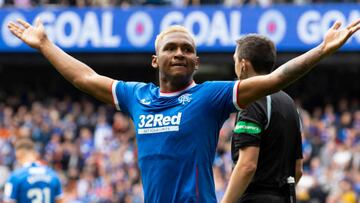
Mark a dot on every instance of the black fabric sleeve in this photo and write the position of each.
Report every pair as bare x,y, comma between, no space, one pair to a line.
249,125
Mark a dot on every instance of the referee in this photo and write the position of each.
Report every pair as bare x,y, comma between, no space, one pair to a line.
266,144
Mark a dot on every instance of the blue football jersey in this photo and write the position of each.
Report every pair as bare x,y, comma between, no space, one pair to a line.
177,134
33,183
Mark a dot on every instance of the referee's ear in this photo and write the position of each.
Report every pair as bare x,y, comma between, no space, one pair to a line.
248,69
154,62
243,74
243,65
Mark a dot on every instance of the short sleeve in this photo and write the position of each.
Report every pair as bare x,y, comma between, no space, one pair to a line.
11,189
221,96
124,94
249,127
57,189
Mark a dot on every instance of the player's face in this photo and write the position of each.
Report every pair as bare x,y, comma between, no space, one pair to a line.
176,56
19,154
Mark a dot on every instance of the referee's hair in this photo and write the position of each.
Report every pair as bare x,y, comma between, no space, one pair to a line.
24,144
259,50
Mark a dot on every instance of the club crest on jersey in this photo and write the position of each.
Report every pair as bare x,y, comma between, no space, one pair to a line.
185,99
145,101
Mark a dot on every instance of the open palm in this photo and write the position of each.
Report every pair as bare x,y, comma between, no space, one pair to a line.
33,36
335,37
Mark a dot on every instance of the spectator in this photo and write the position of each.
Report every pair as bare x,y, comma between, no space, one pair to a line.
66,129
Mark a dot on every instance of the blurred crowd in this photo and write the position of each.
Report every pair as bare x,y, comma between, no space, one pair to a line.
331,151
174,3
93,149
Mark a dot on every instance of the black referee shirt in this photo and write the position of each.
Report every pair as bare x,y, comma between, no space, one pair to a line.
273,124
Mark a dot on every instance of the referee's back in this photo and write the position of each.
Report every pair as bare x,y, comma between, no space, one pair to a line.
280,144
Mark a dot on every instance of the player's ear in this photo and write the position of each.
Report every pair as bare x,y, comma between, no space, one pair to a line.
197,63
154,63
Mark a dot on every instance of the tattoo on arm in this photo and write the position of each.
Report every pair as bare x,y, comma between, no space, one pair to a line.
298,66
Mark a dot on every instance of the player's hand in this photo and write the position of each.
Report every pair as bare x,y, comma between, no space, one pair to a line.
336,37
31,35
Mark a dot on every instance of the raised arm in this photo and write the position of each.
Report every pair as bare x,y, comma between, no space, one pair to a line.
256,87
73,70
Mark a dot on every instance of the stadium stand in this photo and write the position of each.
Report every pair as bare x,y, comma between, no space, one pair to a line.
93,149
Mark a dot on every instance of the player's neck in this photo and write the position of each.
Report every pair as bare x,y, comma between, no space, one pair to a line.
167,86
29,159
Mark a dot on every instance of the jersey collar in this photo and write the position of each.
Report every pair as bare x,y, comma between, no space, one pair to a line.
31,163
171,94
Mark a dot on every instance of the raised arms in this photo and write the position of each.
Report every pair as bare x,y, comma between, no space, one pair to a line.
254,88
73,70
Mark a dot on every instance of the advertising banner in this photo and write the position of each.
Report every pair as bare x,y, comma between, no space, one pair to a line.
215,28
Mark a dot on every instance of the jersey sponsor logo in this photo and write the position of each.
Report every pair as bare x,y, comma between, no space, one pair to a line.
247,127
158,123
185,99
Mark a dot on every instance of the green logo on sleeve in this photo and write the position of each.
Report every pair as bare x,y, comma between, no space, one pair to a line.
247,127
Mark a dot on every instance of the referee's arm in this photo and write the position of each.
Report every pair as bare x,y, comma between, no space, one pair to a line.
299,152
298,170
242,174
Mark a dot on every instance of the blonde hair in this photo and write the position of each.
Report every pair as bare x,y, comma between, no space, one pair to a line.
24,144
171,29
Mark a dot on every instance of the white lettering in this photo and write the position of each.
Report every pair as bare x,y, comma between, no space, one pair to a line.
109,40
354,15
200,18
68,29
308,27
9,38
149,122
157,120
90,31
312,26
166,120
142,121
209,30
235,26
174,17
38,178
74,21
158,130
175,120
329,18
48,19
218,30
